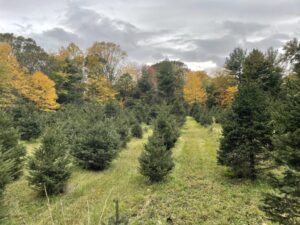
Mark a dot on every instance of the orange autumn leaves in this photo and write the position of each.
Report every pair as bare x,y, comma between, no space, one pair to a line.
196,82
37,88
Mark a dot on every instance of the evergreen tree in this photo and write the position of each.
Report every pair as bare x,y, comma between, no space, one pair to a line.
178,110
204,117
11,150
112,109
156,160
49,167
235,62
283,206
170,79
123,129
136,130
6,166
166,128
28,120
264,70
246,132
97,146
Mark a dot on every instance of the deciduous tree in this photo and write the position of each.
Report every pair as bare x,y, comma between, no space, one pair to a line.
42,92
193,90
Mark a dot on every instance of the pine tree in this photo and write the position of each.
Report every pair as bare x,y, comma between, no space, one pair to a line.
11,150
283,206
97,146
49,167
246,132
156,160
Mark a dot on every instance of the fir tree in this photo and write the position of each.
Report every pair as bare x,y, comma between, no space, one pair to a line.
28,120
283,206
156,160
246,132
97,146
166,127
11,149
49,167
6,166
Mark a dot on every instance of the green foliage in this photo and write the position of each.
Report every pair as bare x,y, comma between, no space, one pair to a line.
201,114
125,86
145,90
28,53
11,149
170,79
69,86
6,166
235,62
98,146
178,110
283,206
28,120
112,109
136,130
246,132
156,160
263,69
165,126
123,128
49,167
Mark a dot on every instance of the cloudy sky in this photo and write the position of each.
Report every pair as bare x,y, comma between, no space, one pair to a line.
200,33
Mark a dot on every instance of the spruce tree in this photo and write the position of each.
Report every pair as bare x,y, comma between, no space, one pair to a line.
10,148
246,132
49,167
156,160
283,206
97,145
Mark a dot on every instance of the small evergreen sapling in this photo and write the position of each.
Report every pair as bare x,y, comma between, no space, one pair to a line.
97,146
10,147
49,167
156,160
166,128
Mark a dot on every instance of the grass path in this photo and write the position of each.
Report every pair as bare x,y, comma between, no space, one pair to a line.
197,192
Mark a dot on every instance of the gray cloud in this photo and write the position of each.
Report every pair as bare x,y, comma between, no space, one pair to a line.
191,30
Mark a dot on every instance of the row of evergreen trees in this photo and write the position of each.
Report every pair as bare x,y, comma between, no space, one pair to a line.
156,160
90,137
262,127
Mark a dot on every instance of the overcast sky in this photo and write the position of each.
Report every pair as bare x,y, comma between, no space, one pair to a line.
200,33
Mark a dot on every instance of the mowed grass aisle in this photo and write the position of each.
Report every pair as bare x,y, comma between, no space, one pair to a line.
197,192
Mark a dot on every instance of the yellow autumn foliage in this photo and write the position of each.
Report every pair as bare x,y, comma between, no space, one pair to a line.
99,89
12,78
42,92
193,91
227,96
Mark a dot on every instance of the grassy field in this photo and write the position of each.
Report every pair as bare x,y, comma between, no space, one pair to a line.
197,192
